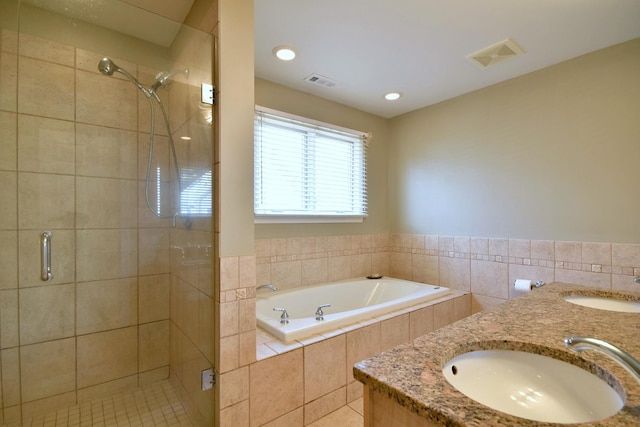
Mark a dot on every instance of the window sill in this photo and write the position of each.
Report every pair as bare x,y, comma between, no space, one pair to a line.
306,219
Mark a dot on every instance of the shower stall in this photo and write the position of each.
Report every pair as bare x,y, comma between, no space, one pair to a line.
106,154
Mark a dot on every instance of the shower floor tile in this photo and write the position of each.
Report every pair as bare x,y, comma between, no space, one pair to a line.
153,405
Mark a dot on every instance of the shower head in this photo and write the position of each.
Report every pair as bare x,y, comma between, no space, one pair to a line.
107,67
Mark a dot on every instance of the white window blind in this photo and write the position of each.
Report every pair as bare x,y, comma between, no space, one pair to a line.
304,168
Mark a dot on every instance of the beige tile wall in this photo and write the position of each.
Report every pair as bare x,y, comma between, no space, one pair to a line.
282,386
188,251
68,163
488,266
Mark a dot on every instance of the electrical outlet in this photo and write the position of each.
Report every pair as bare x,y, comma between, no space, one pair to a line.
207,379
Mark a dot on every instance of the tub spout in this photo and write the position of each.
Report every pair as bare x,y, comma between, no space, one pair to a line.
627,361
273,288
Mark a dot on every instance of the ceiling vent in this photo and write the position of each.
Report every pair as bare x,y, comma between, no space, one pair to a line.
496,53
319,80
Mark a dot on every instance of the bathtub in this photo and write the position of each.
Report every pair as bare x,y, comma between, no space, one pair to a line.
351,301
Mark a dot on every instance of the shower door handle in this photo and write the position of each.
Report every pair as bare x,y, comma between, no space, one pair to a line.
45,256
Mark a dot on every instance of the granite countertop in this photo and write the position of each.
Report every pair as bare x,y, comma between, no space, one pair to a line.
537,322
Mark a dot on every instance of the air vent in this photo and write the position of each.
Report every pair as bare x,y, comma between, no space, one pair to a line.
319,80
496,53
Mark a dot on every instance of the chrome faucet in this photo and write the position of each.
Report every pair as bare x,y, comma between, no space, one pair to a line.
284,318
273,288
320,313
627,361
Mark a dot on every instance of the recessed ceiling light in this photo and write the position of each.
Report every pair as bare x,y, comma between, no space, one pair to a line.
392,96
185,138
284,53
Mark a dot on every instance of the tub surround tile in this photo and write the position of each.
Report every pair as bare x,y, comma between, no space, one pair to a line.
520,248
462,244
400,263
339,268
490,279
421,322
314,271
430,396
320,362
425,269
343,417
479,245
568,252
498,246
286,275
325,405
394,331
360,344
480,302
455,273
236,387
543,250
281,379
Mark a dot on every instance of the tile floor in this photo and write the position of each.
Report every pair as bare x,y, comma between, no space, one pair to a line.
153,405
347,416
157,405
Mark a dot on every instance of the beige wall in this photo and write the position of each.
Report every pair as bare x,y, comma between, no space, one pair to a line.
550,155
235,84
278,97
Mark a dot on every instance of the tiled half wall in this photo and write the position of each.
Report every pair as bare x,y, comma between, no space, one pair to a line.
485,267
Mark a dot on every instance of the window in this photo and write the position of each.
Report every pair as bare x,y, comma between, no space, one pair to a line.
307,170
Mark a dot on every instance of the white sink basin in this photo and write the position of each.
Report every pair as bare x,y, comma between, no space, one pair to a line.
532,386
604,303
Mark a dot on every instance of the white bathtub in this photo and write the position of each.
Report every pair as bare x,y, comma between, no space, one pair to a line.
351,301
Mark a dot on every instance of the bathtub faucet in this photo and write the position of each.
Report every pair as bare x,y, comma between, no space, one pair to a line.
284,319
320,313
627,361
273,288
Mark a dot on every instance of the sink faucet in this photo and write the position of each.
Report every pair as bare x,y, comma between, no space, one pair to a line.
627,361
273,288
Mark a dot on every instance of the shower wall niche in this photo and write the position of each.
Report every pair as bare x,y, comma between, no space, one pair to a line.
131,299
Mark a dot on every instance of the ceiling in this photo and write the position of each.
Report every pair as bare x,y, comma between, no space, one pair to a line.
129,17
420,47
